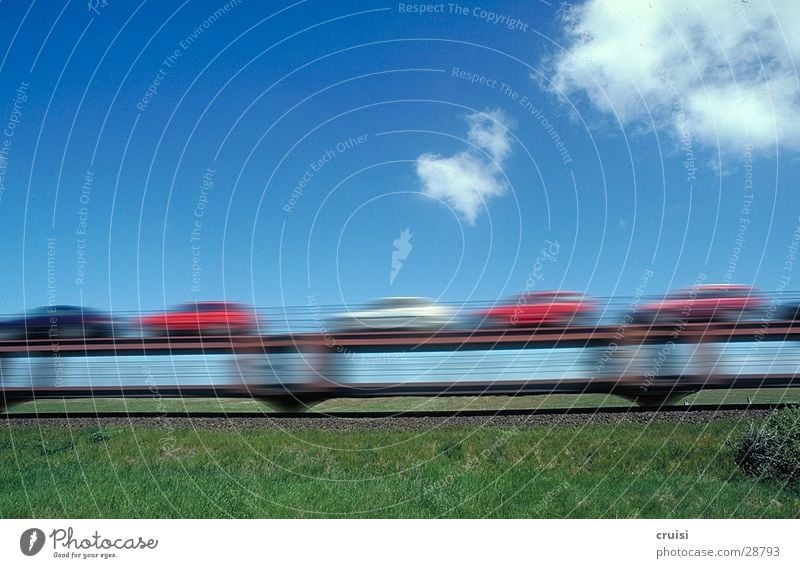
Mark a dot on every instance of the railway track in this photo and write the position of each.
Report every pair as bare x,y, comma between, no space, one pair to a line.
377,415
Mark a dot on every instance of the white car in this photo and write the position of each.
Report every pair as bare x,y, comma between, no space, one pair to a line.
396,314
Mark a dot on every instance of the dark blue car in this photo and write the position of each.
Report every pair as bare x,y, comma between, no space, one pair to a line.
58,322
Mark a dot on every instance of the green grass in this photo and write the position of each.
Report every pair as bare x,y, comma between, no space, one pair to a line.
400,403
660,470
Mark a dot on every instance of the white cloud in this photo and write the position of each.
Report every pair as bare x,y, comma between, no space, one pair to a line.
723,69
466,180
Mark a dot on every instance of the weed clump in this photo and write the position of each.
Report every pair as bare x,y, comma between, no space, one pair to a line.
771,450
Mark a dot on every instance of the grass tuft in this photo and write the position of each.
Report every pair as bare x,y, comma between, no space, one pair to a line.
98,435
771,450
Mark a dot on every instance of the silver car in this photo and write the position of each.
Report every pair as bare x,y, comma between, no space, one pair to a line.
397,313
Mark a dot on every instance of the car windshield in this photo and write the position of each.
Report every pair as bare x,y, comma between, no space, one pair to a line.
712,293
549,298
61,310
208,306
383,303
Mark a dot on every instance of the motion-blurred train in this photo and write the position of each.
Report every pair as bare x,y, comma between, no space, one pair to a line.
709,336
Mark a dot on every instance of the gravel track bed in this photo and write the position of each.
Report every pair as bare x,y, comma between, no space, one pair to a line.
339,424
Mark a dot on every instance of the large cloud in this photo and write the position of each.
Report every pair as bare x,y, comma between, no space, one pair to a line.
466,180
722,71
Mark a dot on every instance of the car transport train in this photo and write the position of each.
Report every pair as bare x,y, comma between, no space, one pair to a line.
537,343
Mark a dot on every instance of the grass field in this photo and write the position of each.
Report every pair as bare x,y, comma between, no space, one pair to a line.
400,403
661,470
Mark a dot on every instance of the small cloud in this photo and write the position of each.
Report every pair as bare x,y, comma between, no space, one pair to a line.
489,132
716,166
720,71
466,180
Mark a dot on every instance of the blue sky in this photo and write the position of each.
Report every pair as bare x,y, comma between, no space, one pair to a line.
153,153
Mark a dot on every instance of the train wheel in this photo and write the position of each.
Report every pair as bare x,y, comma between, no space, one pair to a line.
5,404
655,399
289,403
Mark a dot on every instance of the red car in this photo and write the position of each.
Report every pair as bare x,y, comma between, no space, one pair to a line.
541,308
705,303
202,318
